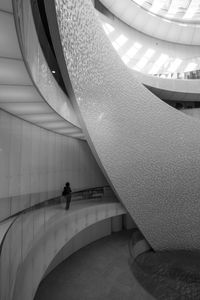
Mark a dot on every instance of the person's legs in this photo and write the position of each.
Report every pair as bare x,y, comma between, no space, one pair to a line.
66,206
68,200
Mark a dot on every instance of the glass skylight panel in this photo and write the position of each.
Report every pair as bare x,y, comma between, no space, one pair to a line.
157,5
125,59
141,63
174,8
192,9
174,65
144,60
149,53
119,42
131,52
159,63
190,67
108,28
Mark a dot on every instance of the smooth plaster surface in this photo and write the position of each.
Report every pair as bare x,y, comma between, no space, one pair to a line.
37,237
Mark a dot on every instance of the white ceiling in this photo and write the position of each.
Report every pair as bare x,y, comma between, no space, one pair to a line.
154,25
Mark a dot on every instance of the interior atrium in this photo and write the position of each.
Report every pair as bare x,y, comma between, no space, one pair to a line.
99,149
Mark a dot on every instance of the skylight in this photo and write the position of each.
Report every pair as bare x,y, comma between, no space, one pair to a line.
138,57
108,28
183,10
174,65
159,63
131,52
120,41
157,5
144,60
193,8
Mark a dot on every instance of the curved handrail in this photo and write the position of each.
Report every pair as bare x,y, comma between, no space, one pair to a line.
3,239
36,223
56,200
180,75
50,202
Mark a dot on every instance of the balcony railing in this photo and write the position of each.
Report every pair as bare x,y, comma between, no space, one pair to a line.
184,75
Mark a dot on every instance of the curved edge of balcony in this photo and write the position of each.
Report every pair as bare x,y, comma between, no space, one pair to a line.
20,94
50,237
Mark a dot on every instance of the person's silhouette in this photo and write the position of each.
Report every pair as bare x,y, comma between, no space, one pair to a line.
67,193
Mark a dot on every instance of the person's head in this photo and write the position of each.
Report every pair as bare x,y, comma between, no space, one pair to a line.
67,184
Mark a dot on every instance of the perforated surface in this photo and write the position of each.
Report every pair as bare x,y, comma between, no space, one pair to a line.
149,151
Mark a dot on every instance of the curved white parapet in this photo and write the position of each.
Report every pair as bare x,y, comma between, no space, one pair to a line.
37,66
151,24
149,151
35,239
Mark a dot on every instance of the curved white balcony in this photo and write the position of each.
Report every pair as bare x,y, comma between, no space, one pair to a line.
35,238
27,87
151,24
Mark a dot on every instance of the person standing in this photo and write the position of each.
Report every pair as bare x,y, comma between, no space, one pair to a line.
67,193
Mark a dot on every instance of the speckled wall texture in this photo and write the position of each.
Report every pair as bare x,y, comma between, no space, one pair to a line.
149,151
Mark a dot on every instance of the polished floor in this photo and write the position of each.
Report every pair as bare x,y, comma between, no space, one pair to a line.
98,271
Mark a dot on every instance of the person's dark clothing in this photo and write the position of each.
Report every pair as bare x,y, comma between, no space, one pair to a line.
67,193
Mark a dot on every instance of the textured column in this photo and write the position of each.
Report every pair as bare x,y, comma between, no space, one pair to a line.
149,151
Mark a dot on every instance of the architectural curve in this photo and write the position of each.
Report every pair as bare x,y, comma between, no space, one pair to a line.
151,24
147,55
149,151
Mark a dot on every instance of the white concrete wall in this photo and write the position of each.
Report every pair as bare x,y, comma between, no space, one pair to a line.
35,164
37,237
